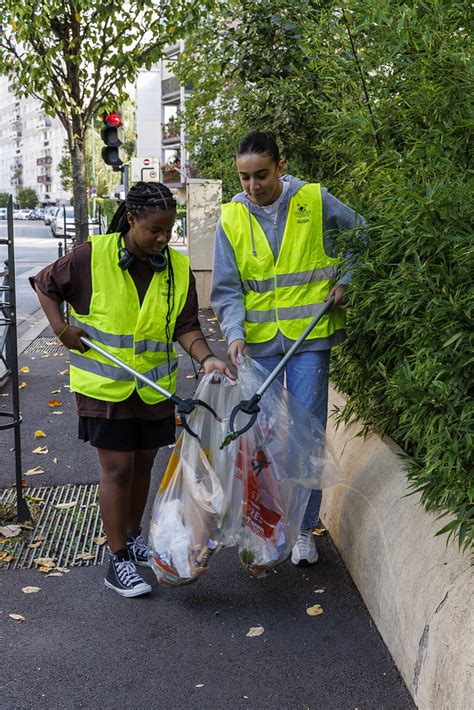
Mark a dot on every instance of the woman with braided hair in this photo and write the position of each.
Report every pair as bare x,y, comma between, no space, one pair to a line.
134,295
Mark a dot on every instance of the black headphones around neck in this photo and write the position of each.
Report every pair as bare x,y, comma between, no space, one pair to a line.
156,262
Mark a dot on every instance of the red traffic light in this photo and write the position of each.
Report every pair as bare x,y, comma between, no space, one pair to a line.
113,136
112,119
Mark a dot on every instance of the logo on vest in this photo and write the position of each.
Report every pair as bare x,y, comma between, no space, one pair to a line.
303,213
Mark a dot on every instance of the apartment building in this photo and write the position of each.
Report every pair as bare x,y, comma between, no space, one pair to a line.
31,145
159,98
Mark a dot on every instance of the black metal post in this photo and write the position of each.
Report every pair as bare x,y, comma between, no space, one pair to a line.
23,512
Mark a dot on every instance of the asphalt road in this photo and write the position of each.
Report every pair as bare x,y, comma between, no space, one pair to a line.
34,248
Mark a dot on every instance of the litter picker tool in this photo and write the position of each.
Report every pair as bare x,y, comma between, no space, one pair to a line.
184,406
250,406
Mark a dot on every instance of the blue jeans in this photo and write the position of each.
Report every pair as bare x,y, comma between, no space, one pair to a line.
307,379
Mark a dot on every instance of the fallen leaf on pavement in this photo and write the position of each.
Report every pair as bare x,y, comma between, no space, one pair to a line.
54,403
64,372
319,532
189,377
55,391
30,590
55,574
319,591
40,450
37,500
85,556
58,412
44,562
5,394
10,530
22,385
100,540
39,434
65,506
199,685
55,460
62,569
34,545
24,369
255,631
17,617
4,557
315,610
34,472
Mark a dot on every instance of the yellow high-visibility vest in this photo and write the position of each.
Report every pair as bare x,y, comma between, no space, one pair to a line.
284,296
135,334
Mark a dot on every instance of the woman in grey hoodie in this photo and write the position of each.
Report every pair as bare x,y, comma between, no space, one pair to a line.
275,260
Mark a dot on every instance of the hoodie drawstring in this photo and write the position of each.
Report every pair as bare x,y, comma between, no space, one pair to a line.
254,252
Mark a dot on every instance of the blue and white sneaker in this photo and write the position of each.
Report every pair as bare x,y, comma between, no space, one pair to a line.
138,550
123,578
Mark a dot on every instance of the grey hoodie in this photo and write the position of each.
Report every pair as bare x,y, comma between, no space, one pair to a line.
227,296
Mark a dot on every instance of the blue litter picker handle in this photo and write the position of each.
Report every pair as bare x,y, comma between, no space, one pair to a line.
250,406
184,406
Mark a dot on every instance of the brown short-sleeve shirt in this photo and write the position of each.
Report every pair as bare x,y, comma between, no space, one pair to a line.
70,279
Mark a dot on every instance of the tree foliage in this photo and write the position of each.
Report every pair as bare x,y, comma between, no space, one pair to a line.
373,100
27,197
77,58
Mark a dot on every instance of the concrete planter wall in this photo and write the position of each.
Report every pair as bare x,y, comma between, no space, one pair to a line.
417,590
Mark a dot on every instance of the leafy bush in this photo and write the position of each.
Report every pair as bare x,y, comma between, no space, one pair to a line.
373,101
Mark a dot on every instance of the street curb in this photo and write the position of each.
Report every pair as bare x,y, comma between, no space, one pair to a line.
417,589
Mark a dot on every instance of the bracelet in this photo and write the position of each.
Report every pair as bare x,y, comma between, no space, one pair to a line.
59,336
206,357
194,341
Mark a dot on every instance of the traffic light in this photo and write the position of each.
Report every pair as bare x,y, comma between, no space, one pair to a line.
113,137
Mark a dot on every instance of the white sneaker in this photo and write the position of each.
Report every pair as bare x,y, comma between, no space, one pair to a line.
304,552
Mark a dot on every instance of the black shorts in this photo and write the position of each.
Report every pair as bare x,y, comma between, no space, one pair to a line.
127,434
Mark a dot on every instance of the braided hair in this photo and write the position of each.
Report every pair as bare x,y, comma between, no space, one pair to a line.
142,199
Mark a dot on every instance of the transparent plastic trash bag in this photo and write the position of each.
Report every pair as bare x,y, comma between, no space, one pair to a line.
277,463
251,494
186,512
194,496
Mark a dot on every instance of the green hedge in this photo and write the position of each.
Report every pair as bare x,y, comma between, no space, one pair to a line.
373,100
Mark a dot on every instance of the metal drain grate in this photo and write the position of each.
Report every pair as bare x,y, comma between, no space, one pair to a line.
45,345
66,533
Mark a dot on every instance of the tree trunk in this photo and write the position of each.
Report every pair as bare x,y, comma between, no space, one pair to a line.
79,191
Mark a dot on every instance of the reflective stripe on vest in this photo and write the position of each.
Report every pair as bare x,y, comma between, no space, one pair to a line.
120,341
284,296
135,334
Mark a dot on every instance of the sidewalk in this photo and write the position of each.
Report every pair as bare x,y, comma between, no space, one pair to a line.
82,646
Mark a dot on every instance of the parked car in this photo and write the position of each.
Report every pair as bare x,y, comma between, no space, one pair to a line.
49,212
37,213
25,213
17,214
57,224
3,212
51,219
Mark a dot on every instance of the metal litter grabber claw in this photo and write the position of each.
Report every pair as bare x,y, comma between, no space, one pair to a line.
184,406
250,406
